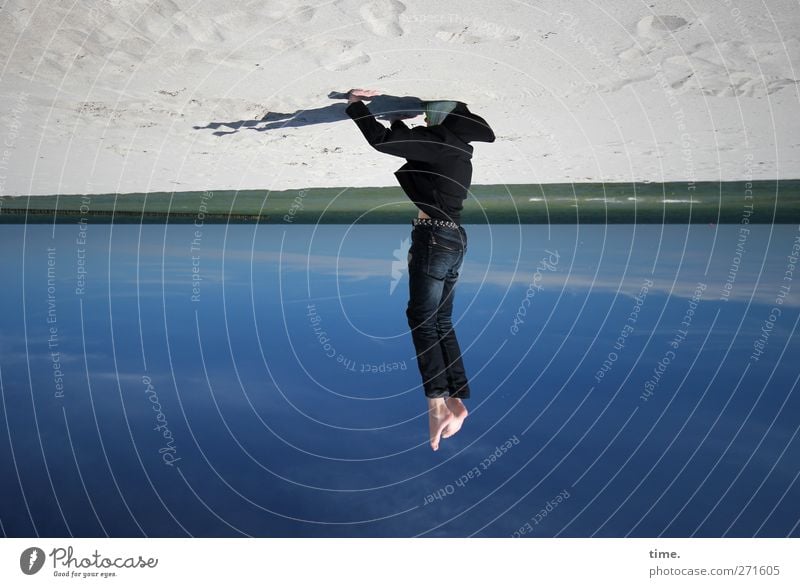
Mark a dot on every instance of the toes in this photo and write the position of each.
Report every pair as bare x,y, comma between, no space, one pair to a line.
438,428
448,432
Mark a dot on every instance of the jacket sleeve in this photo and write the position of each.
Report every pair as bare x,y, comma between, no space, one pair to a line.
417,144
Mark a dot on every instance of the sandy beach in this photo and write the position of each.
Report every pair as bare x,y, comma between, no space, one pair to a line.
128,96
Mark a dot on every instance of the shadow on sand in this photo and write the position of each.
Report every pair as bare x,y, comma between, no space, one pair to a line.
384,107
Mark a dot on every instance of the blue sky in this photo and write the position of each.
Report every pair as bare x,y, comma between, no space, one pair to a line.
276,438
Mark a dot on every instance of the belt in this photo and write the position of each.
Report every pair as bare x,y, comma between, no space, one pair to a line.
434,222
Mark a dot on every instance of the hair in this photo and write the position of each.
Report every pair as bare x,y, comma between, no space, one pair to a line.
437,110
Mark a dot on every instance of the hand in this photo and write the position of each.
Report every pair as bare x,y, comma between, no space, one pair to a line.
356,94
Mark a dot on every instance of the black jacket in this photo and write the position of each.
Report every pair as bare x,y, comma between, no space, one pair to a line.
438,171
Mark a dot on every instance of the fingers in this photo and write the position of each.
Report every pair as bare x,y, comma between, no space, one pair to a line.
358,94
364,93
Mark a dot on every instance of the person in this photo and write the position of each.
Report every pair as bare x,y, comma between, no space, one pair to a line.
436,177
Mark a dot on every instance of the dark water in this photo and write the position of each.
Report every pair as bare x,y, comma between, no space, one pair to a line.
627,381
687,202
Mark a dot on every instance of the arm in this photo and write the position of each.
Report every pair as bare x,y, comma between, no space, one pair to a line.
417,144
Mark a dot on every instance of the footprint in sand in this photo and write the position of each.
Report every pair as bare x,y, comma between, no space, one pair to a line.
745,71
653,31
339,55
302,14
632,53
282,43
382,17
473,34
657,26
650,30
287,12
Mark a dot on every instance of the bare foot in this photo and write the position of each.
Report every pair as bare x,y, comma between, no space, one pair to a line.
439,416
459,411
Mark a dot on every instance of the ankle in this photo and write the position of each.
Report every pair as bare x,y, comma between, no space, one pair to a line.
437,405
456,406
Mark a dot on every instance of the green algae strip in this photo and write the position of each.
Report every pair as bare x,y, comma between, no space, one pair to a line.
762,202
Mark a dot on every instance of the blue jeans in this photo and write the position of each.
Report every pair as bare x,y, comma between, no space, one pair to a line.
434,259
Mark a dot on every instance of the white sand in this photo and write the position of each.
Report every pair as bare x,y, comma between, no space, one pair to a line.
102,95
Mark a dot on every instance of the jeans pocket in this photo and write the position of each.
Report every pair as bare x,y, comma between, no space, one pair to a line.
444,243
440,261
436,263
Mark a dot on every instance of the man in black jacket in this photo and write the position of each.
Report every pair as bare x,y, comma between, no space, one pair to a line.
436,177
